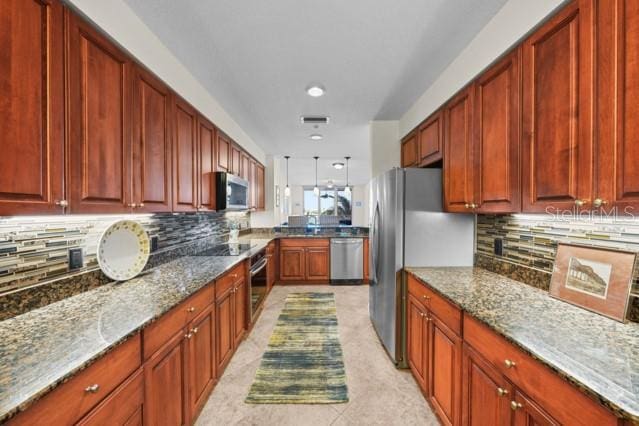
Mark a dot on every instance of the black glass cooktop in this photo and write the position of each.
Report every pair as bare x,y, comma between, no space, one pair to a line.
225,250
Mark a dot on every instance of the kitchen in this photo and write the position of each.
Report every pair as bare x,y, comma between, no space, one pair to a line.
422,213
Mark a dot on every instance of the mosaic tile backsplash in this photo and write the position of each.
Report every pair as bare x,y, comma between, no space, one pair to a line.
531,240
34,250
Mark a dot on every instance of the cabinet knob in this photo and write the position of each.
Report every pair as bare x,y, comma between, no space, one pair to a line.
141,205
132,205
425,297
467,205
191,309
93,388
62,203
188,335
515,405
502,392
509,363
234,275
194,330
598,202
580,203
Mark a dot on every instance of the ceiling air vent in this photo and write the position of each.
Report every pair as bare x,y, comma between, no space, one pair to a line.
314,120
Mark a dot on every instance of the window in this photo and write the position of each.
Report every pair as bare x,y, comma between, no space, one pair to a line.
331,202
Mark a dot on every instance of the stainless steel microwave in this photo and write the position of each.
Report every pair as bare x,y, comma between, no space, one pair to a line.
231,192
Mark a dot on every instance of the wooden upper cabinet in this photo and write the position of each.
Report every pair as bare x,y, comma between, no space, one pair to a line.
496,142
207,164
152,143
260,187
431,139
245,166
458,157
236,164
31,107
410,150
558,102
98,98
617,179
185,154
223,153
252,183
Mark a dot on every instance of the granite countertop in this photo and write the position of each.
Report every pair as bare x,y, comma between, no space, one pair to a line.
45,347
597,354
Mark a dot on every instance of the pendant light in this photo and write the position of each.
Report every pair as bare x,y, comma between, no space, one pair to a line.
347,189
287,190
316,190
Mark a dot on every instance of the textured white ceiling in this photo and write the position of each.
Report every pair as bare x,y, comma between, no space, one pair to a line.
256,57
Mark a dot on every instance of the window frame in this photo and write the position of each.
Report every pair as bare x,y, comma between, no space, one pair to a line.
335,190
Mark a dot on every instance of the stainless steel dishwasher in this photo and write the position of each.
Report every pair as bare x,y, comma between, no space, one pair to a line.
347,260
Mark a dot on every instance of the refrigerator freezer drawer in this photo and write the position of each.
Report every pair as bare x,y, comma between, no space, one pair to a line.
347,259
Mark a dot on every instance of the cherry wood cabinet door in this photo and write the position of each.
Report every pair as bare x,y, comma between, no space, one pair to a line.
260,187
236,161
417,341
528,413
431,139
185,154
252,183
458,157
558,100
444,365
152,143
240,312
245,166
292,264
410,150
166,384
617,174
223,153
98,99
201,365
486,394
318,264
123,407
207,164
224,321
496,141
31,107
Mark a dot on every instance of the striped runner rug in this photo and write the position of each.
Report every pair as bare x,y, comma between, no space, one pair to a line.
303,363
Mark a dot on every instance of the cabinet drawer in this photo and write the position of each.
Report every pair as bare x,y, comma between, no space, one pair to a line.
122,407
448,313
562,401
226,281
72,400
158,333
304,242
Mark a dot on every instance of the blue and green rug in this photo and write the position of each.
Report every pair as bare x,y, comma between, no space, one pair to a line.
303,363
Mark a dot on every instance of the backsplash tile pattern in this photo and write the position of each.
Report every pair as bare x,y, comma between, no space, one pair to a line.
34,250
530,243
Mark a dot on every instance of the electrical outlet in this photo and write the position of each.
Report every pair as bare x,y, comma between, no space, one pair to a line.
499,247
154,243
76,259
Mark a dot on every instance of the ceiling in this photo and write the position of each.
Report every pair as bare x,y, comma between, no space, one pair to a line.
374,57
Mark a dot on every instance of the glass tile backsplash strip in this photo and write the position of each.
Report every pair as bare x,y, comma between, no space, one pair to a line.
531,240
35,249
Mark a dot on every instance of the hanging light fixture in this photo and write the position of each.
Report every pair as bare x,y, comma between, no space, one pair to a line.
347,188
316,190
287,190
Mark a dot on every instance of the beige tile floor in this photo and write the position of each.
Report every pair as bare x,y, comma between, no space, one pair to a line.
379,394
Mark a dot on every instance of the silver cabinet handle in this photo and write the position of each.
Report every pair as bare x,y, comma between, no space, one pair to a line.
92,388
62,203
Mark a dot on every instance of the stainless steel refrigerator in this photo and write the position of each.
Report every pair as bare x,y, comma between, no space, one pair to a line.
409,228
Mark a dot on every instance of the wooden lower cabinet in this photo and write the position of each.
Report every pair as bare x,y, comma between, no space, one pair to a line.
224,318
240,300
444,357
271,267
417,341
527,413
305,260
231,309
201,360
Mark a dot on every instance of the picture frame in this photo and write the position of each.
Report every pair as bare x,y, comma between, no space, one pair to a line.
594,278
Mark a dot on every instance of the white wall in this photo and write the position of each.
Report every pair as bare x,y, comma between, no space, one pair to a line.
384,140
118,20
515,19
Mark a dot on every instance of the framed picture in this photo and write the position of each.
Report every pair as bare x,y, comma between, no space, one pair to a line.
596,279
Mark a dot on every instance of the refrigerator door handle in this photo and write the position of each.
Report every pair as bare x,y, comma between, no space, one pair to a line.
375,251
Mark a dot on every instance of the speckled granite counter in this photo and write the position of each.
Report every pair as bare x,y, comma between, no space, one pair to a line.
599,355
45,347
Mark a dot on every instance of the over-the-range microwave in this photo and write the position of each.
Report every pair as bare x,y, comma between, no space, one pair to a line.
231,192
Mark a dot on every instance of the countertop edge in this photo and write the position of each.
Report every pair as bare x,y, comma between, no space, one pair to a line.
580,385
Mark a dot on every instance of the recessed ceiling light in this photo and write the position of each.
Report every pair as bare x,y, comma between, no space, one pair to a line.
316,137
338,165
315,90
